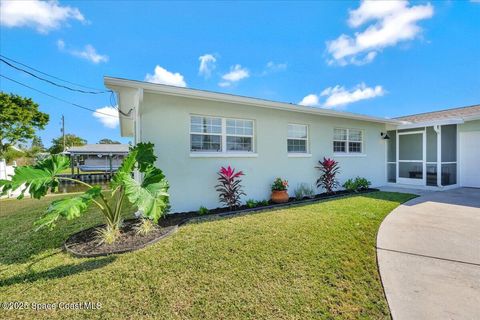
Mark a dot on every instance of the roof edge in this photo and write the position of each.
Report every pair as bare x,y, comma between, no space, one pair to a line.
113,82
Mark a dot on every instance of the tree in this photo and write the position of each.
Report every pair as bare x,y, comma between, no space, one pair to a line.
108,141
37,143
149,196
71,140
19,118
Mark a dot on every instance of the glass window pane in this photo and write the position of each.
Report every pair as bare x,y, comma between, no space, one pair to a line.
354,135
392,172
339,146
239,144
392,146
449,173
340,134
205,125
240,127
294,145
209,143
355,147
432,174
297,131
449,143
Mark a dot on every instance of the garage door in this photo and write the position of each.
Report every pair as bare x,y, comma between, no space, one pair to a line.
470,159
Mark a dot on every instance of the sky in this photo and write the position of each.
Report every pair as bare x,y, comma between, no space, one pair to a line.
380,58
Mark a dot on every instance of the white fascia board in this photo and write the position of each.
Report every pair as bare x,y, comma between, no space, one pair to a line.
118,83
429,123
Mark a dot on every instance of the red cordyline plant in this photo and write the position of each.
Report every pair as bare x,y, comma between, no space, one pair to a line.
328,172
229,187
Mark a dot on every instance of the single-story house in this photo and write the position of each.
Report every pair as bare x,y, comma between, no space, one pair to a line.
195,132
97,157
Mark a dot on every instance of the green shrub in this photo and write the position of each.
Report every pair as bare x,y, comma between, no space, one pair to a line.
263,203
202,211
252,203
357,184
304,190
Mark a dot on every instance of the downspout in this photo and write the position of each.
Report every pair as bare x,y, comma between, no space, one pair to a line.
438,130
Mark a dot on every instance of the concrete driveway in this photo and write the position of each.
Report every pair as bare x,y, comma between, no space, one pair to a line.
429,256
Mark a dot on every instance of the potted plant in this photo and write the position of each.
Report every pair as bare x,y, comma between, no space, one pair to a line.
279,191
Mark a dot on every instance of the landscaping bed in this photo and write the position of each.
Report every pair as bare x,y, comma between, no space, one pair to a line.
85,243
182,217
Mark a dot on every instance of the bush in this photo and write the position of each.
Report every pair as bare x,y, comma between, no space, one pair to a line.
202,211
279,185
251,203
357,184
229,187
304,190
328,174
263,203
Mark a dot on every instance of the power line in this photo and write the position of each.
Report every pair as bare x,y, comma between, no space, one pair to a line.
52,76
57,98
48,81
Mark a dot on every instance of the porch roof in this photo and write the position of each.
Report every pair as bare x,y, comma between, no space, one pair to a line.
463,114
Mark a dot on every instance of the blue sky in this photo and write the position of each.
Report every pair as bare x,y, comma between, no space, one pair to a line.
385,59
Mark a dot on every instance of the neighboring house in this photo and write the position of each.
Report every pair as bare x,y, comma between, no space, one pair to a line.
196,132
97,157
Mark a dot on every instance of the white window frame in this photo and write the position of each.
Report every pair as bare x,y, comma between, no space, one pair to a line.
307,146
347,142
224,152
204,134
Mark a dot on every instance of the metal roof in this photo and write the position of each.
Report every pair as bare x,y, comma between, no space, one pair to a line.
100,148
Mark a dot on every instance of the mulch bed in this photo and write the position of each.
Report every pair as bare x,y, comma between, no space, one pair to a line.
85,244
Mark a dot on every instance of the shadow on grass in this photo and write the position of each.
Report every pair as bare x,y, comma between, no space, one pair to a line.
57,272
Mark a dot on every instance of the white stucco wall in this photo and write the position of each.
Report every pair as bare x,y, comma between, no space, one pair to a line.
165,121
469,126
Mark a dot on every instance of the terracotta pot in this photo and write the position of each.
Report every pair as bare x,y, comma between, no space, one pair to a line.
279,196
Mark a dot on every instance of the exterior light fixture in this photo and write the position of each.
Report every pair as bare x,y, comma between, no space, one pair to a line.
385,136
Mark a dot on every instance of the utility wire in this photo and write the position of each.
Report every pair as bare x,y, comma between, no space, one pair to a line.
48,81
57,98
52,76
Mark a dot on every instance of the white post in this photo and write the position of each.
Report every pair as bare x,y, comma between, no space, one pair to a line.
438,130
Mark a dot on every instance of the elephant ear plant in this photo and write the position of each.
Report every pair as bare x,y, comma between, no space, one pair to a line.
150,196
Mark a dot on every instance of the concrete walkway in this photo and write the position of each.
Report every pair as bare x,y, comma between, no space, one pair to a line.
429,256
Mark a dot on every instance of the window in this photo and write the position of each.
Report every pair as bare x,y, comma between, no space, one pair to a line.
239,135
347,141
205,134
297,138
212,134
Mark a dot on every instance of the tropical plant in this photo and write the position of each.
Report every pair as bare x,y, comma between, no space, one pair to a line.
150,196
202,211
304,190
108,141
329,169
19,118
263,203
144,227
357,184
251,203
229,187
279,185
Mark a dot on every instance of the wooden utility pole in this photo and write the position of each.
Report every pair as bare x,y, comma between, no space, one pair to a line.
63,132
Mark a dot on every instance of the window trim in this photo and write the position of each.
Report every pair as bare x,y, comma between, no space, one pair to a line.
223,135
347,152
305,153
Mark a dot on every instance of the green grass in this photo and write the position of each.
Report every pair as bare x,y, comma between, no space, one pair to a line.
314,261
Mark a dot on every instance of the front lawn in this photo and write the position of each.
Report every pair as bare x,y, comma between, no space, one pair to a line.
313,261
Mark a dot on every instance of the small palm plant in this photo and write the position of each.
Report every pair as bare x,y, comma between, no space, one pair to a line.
229,187
150,196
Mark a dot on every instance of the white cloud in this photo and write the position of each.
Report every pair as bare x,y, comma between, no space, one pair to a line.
88,53
274,67
163,76
392,22
236,74
311,100
338,96
108,116
207,64
44,16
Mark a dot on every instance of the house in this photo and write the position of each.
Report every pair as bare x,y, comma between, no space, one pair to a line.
97,157
196,132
